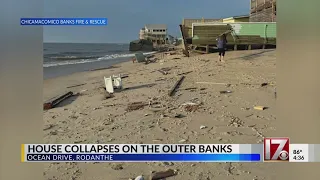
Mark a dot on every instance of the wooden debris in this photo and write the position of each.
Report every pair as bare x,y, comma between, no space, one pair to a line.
157,140
203,127
184,73
48,127
51,103
163,72
178,116
136,106
77,85
117,166
161,79
213,83
191,88
124,76
162,174
225,92
176,86
261,108
191,106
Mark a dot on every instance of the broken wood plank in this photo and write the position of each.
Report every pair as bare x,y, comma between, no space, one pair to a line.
176,86
190,88
163,72
77,85
51,103
162,174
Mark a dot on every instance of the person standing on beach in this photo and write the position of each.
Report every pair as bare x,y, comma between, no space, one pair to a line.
222,45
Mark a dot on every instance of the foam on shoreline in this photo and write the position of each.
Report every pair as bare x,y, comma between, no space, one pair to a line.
76,60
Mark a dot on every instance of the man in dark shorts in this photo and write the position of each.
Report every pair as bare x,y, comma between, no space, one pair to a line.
222,44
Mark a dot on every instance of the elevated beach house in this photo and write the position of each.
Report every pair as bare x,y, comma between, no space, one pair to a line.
157,33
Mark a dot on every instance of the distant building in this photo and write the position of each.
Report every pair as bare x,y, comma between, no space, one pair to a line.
157,33
263,11
235,19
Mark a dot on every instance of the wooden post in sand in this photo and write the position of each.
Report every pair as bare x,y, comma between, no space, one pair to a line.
176,85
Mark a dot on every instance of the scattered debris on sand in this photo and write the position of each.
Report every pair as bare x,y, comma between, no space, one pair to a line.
136,106
200,112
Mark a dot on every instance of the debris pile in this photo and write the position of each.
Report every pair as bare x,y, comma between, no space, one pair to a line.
192,106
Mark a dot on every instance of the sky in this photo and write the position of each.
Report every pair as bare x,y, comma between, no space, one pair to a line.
127,17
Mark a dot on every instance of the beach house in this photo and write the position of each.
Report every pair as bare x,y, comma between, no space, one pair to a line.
157,33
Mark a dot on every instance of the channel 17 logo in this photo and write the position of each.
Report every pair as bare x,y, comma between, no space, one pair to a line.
276,149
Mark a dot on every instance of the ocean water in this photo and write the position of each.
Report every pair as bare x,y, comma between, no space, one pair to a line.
61,59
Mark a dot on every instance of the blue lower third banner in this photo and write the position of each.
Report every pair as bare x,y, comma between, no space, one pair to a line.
64,21
141,157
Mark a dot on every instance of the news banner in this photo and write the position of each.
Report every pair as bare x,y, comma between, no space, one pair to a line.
272,150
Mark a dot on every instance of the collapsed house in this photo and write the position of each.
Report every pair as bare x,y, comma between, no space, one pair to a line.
240,35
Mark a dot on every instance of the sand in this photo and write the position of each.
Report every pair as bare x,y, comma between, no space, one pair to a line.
229,118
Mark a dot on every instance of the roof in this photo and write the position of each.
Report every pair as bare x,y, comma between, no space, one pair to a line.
243,16
156,26
188,22
238,17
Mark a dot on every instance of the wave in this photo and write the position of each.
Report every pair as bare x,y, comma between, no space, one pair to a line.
82,60
73,57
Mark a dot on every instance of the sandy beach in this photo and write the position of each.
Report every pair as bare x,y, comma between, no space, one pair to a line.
228,118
